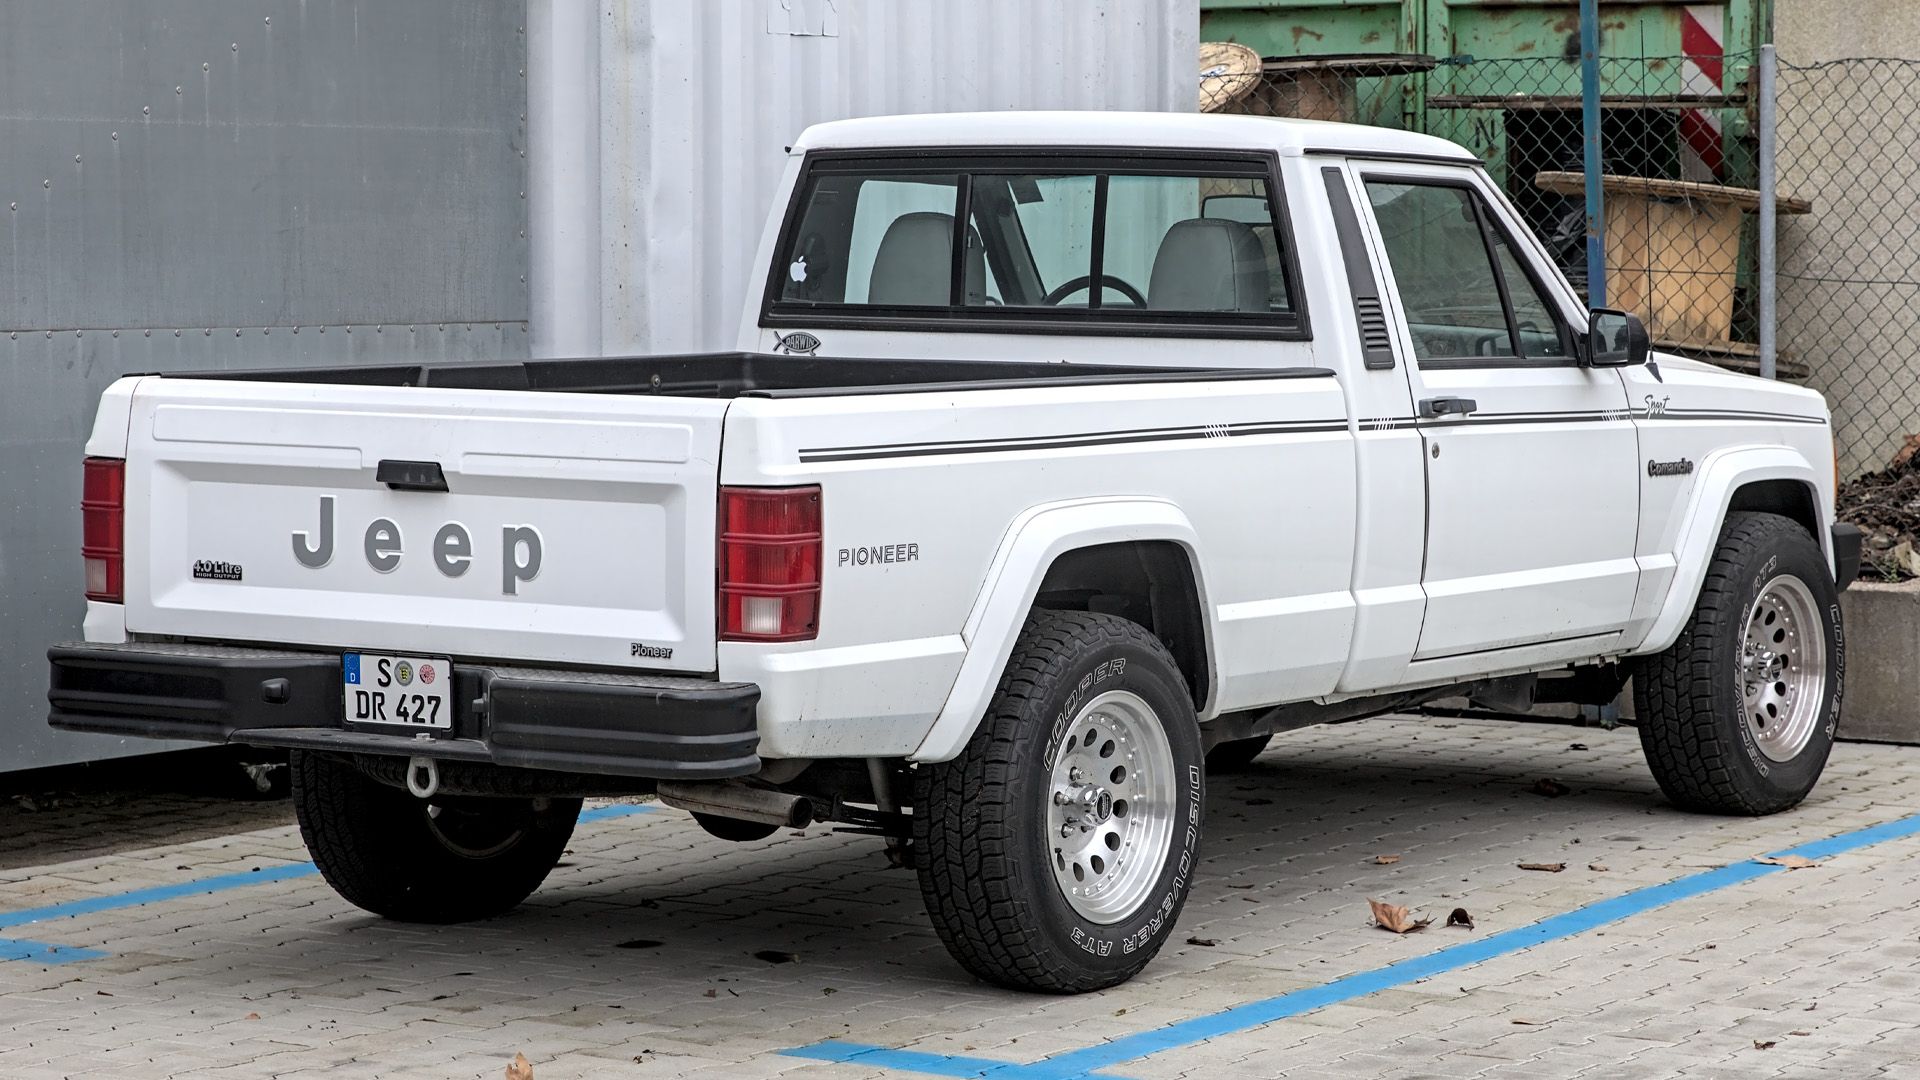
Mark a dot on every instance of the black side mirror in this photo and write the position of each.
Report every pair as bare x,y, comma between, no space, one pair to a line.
1615,339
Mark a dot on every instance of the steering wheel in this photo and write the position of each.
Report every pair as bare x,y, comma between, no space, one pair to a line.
1107,281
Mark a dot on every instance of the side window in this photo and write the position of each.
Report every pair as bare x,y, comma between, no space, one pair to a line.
1533,313
1441,266
1465,290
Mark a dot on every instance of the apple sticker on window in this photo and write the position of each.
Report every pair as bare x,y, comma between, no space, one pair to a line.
798,271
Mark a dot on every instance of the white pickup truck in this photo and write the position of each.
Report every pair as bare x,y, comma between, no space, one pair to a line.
1064,457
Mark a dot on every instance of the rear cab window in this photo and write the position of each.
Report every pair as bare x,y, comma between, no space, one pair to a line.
1069,243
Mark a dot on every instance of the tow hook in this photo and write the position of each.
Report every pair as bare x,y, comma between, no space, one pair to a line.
423,777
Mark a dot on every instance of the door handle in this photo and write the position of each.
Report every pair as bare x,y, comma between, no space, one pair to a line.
1446,406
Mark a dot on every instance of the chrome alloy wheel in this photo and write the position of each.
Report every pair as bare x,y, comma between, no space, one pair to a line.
1111,806
1783,668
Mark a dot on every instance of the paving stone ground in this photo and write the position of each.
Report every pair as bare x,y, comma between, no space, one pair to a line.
638,957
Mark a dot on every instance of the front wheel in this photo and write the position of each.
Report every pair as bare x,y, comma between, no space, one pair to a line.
1739,714
447,859
1056,850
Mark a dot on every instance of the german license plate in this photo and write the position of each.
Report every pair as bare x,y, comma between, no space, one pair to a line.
400,691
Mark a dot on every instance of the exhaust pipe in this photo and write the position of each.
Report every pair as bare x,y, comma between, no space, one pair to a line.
742,802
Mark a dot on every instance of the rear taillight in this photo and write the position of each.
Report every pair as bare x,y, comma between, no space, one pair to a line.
769,563
103,510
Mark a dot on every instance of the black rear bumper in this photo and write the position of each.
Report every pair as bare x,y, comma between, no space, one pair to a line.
654,726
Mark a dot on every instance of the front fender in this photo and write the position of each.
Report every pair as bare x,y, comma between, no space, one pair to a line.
1033,542
1721,474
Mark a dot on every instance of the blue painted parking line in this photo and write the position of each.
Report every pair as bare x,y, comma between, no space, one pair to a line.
1083,1063
20,949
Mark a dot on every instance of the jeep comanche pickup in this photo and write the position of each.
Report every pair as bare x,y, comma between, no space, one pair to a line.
1066,456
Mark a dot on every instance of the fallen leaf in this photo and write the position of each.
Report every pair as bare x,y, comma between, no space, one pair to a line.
253,1016
1811,1007
1548,867
1578,746
1120,1012
102,993
1385,860
1598,868
1799,1032
775,956
1551,788
639,943
1460,917
1203,941
1526,1023
1396,918
828,990
519,1068
1767,1045
1791,862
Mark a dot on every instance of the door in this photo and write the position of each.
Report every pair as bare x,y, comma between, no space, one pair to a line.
1532,493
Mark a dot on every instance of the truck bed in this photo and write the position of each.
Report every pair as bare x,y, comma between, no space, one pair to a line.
726,375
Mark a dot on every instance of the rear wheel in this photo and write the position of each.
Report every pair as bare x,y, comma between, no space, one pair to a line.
1056,850
1739,714
447,859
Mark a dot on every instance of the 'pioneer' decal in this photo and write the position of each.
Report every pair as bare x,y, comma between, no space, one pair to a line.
879,553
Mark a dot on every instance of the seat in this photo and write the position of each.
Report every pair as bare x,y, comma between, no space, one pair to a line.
913,264
1209,264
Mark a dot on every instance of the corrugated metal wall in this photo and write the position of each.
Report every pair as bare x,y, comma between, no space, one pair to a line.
697,103
229,183
236,183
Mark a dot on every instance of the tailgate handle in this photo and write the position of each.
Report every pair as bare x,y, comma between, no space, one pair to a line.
411,475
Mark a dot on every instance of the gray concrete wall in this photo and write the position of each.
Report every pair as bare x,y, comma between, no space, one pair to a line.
1850,270
1883,662
230,183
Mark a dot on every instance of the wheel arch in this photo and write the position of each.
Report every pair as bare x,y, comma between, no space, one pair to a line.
1769,479
1138,558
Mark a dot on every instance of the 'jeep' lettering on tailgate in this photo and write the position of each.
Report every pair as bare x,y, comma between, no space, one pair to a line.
384,545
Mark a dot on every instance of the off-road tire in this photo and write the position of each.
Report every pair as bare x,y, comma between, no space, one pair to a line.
1688,701
1235,755
379,848
981,820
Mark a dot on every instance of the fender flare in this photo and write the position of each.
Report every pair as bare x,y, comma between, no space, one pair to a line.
1721,473
1035,539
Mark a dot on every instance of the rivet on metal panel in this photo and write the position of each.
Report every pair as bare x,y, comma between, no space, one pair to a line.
116,333
209,332
443,327
77,333
49,334
146,333
411,329
13,206
268,20
296,329
46,183
323,329
177,91
116,136
265,330
76,159
236,46
176,333
349,329
379,329
236,331
206,67
146,110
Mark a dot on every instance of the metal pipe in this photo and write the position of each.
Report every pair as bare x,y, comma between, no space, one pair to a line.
1768,211
732,799
1590,151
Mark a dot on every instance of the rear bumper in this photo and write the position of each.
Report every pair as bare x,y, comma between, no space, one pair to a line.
1846,554
654,726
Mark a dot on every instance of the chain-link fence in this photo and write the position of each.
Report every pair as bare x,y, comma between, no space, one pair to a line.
1850,271
1679,161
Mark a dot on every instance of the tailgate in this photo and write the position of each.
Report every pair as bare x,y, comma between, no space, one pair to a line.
574,528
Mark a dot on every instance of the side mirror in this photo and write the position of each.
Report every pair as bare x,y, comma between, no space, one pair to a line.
1615,339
